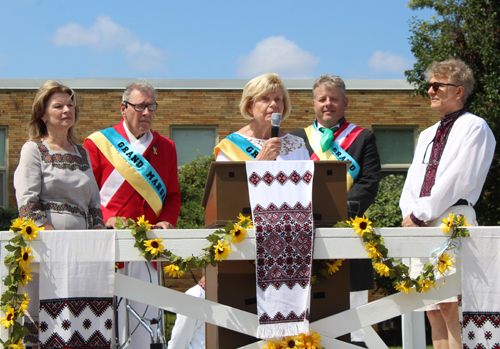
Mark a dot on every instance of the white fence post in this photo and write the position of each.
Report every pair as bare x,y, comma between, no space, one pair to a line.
413,328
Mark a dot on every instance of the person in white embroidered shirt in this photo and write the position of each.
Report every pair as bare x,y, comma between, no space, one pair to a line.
447,175
189,333
262,96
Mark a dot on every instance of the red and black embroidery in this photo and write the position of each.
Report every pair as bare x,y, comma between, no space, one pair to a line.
268,178
482,329
83,323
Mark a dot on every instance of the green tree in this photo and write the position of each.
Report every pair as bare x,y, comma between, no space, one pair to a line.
192,178
6,217
385,211
469,30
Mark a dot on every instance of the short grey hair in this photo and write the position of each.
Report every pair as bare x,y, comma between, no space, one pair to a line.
141,85
457,72
329,81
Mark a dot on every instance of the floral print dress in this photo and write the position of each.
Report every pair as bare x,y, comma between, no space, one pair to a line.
57,186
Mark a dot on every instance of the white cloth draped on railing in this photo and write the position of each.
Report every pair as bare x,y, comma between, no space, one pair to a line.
281,200
481,288
76,289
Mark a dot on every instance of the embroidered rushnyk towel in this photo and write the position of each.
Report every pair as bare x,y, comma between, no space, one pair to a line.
481,289
76,289
281,200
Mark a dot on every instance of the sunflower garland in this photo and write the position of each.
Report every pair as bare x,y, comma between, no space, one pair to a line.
12,304
395,269
218,250
302,341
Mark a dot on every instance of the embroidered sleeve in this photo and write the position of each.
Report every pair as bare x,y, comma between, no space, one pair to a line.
96,218
291,143
28,183
32,210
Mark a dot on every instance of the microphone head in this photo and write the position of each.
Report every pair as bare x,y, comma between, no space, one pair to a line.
275,120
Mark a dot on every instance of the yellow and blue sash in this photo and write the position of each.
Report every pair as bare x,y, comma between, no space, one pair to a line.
237,148
132,166
334,153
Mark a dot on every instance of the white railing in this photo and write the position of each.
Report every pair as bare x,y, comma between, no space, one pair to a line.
330,243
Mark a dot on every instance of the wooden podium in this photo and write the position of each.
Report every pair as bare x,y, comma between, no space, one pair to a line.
233,283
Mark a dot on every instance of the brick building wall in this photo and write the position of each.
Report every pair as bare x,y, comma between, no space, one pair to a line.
100,108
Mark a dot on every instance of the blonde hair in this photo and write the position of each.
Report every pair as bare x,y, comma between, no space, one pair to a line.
457,72
36,127
328,81
259,86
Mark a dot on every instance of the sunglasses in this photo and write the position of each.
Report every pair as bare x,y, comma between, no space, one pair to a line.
435,85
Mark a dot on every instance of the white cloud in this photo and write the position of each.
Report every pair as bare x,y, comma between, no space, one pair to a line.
106,35
276,54
388,62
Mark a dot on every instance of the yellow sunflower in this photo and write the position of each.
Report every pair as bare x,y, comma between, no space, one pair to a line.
17,224
19,345
403,288
9,319
25,259
373,253
141,220
311,340
173,270
239,233
461,222
222,250
382,269
154,246
291,342
333,265
24,304
30,230
26,276
361,225
427,284
447,223
244,220
273,345
444,263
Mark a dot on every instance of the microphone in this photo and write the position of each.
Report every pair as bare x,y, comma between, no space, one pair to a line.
275,124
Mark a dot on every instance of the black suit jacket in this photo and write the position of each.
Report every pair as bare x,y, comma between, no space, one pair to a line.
360,197
365,188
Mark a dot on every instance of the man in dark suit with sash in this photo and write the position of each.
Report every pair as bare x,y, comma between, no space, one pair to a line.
331,137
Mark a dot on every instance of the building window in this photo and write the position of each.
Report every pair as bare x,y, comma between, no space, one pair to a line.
3,166
396,147
192,140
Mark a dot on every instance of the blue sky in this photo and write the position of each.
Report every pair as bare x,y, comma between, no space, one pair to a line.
205,39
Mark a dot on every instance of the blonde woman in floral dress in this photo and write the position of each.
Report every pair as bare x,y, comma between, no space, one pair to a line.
54,182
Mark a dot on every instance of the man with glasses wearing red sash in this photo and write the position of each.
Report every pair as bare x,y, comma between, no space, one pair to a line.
136,171
331,137
447,175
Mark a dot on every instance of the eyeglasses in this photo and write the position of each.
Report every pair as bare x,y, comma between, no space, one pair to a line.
435,85
141,107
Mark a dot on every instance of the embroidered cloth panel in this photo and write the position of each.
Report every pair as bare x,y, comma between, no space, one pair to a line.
281,200
481,289
76,289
